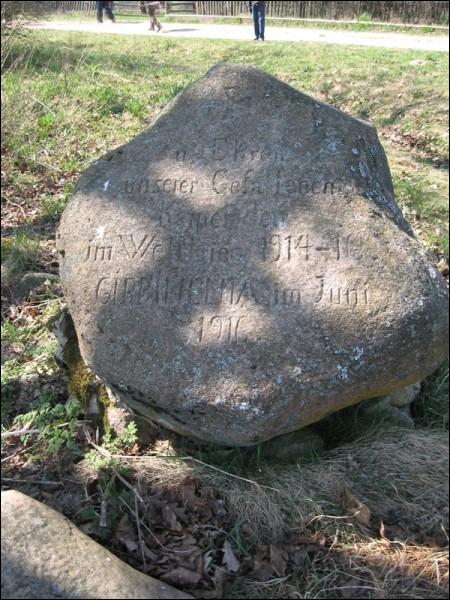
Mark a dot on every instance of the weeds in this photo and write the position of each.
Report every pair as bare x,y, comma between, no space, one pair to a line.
432,406
101,458
55,423
20,253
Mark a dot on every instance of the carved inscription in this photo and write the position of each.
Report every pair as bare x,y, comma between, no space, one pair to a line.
139,246
162,290
97,253
225,182
287,247
157,186
233,150
219,328
214,244
273,248
341,296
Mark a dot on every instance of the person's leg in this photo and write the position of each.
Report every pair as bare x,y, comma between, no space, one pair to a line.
152,16
256,22
109,13
99,11
262,22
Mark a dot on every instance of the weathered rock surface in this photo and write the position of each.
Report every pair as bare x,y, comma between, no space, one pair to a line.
240,269
45,556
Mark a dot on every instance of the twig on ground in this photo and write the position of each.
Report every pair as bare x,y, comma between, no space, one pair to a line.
333,517
31,481
17,206
186,459
103,513
139,532
19,432
107,454
154,536
128,485
14,454
200,462
43,105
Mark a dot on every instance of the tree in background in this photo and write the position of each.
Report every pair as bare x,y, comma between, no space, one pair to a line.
13,10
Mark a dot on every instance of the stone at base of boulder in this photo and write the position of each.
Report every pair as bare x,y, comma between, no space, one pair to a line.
64,331
45,556
383,412
295,446
404,397
118,415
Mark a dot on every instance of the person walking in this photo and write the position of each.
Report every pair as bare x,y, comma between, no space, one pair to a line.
106,7
258,10
151,8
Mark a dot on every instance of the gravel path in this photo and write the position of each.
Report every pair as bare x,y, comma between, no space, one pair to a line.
280,34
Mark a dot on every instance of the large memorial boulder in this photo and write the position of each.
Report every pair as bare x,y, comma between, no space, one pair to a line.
240,269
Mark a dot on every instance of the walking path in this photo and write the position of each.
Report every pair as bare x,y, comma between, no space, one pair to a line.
280,34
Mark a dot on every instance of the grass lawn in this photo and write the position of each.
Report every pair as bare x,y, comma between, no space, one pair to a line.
67,98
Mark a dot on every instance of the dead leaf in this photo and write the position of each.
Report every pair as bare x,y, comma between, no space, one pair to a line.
126,534
229,559
298,557
208,558
181,577
219,580
87,528
262,572
278,560
149,553
355,507
170,519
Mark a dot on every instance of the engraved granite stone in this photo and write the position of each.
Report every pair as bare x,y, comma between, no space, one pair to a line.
241,269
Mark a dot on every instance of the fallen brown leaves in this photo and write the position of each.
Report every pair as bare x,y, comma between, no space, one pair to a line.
21,203
354,507
185,536
183,541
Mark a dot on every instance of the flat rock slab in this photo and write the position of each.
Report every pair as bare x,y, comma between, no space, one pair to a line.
45,556
241,269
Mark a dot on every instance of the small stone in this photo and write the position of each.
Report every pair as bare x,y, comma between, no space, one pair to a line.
64,331
295,446
404,397
118,415
45,556
381,410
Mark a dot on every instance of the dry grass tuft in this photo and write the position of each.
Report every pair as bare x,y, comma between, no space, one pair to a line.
370,569
402,477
